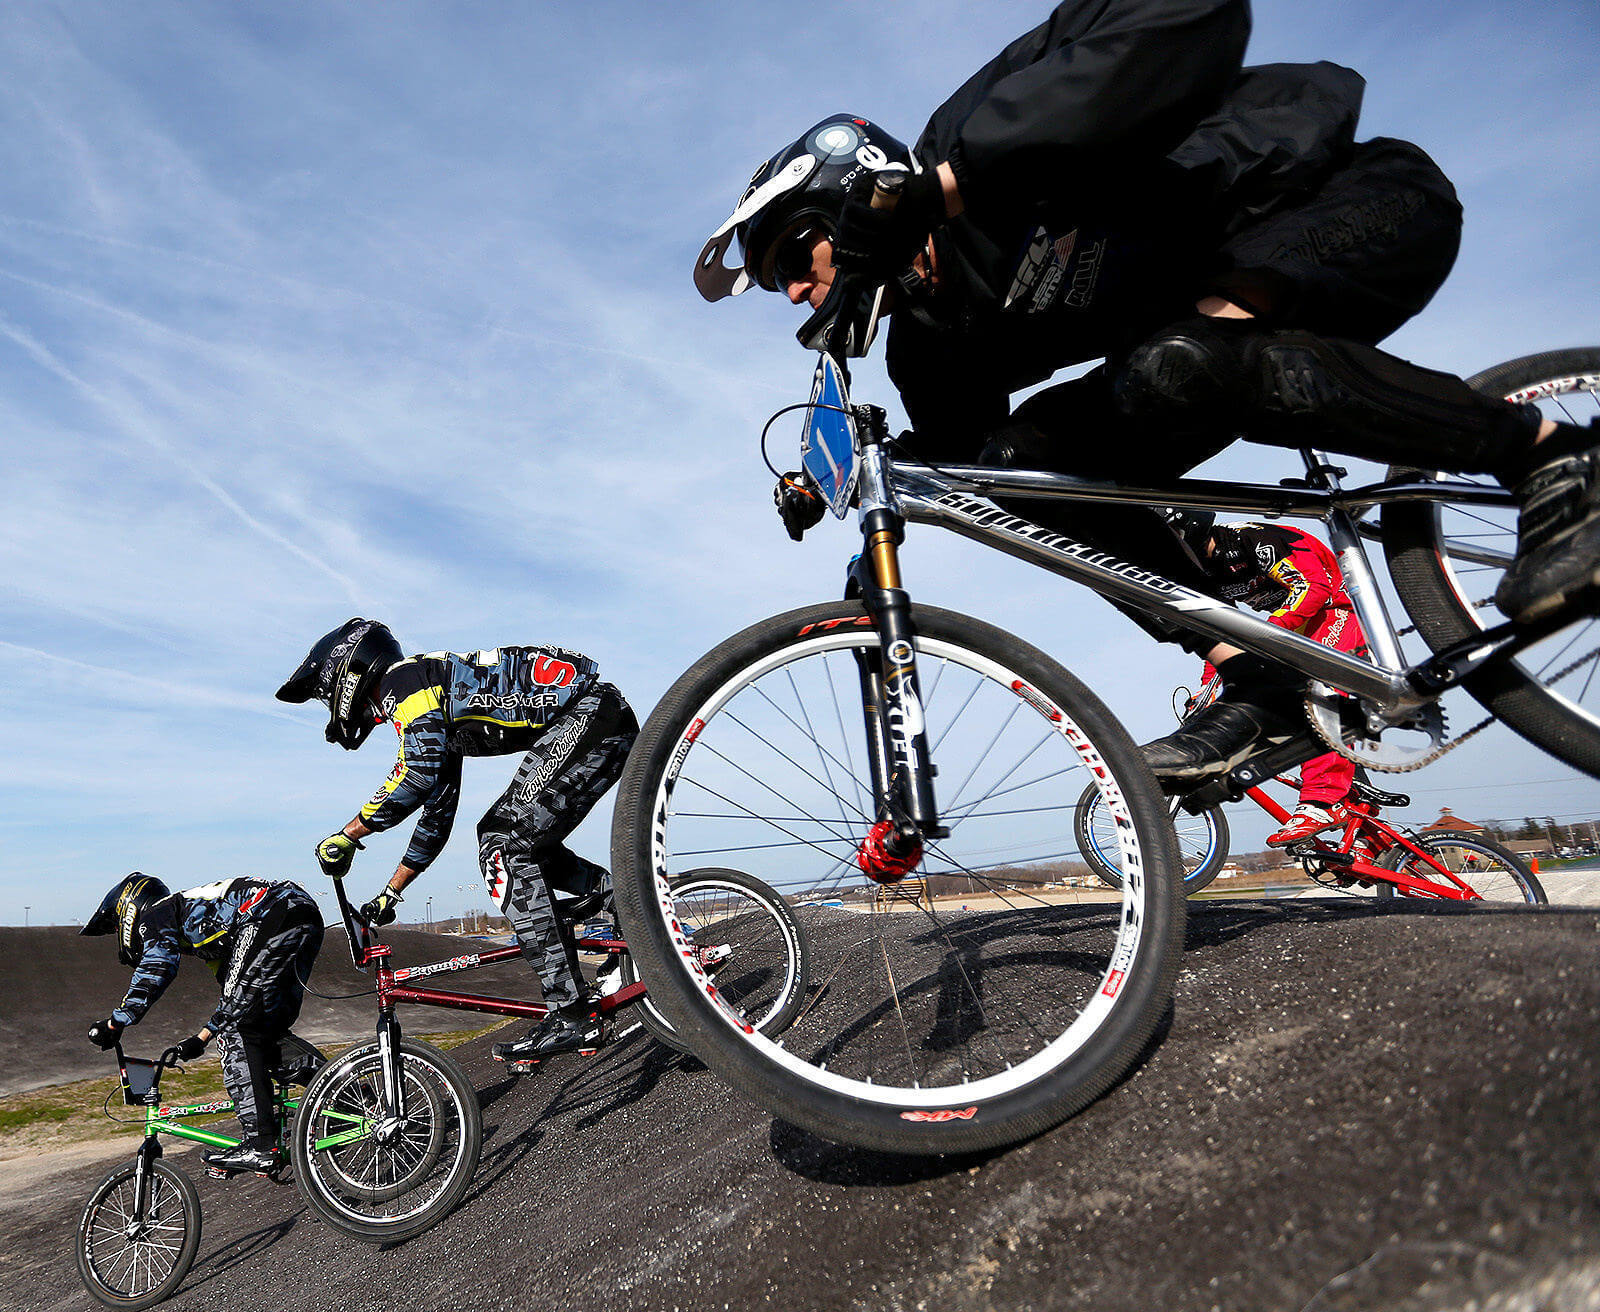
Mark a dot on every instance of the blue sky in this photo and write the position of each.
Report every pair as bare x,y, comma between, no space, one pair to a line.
317,310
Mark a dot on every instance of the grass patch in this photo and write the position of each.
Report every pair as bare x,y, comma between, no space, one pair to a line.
43,1120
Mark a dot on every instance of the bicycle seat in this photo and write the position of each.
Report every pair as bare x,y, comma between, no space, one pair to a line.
1367,793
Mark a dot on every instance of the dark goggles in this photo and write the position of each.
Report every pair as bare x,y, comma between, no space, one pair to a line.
791,256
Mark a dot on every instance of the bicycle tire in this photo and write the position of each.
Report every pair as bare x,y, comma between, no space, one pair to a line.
169,1186
1205,834
1514,870
776,1010
813,1077
325,1190
1439,594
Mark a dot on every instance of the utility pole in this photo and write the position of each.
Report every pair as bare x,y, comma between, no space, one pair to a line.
430,915
25,911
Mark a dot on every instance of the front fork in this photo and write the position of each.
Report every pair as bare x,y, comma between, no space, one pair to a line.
144,1172
891,699
394,1085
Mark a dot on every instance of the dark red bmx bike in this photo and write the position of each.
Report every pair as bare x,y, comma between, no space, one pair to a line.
388,1134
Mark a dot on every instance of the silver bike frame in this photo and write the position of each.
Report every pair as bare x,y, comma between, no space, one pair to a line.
956,497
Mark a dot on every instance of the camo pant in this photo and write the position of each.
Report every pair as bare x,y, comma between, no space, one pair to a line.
263,985
520,845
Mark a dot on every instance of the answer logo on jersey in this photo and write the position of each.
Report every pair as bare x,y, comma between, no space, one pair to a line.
252,900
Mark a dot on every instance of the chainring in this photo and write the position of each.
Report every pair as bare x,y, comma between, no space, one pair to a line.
1402,747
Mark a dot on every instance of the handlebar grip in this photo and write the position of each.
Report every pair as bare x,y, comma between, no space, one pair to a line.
886,189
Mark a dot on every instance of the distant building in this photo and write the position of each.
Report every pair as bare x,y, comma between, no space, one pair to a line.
1449,820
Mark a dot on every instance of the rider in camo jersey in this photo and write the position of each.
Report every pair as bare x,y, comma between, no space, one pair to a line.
545,701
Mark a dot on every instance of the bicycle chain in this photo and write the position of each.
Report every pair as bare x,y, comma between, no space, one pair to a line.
1344,749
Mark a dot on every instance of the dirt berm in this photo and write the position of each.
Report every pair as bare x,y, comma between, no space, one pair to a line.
54,984
1356,1106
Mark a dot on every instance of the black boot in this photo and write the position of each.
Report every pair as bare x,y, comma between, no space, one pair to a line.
576,1028
1260,706
1558,534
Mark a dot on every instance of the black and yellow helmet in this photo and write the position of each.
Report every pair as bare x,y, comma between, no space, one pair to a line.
121,909
342,670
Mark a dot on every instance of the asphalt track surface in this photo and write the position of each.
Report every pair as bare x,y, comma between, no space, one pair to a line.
1354,1106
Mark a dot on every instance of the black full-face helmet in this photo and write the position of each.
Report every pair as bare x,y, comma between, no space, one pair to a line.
121,909
802,188
342,671
1194,527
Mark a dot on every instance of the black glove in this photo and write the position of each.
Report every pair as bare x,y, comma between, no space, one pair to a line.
381,910
335,852
105,1033
191,1048
881,243
797,501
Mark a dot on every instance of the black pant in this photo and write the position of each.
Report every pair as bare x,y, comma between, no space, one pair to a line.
1340,269
263,985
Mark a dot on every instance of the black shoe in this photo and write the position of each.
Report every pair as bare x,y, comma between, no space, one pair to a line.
1220,737
1558,538
246,1157
571,1029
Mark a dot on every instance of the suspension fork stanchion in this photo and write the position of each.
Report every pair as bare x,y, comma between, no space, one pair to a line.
889,605
394,1086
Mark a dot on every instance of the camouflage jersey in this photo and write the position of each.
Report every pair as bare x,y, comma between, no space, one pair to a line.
205,922
445,706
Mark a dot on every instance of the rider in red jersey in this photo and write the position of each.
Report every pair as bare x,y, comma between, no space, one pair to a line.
1275,568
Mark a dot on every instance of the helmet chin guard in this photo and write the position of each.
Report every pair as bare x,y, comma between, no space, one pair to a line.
860,318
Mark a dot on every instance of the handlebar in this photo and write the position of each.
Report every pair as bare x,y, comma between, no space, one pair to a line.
360,933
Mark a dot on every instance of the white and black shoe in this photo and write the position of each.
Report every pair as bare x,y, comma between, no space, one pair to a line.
578,1028
246,1157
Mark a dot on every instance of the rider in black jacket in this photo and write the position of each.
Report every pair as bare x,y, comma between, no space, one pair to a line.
1115,184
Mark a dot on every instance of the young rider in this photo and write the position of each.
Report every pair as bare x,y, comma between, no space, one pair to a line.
1115,184
545,701
1293,575
262,940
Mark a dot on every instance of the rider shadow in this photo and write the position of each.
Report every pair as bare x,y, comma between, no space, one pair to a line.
602,1086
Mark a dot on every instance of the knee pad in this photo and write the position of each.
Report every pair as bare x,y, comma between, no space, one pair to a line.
1196,370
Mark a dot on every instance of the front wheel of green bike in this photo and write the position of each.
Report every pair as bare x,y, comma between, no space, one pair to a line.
376,1175
132,1257
982,999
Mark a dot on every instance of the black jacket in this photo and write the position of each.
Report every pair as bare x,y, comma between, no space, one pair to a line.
1102,159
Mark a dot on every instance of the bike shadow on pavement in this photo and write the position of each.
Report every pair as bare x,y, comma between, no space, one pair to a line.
594,1089
826,1162
1212,924
243,1248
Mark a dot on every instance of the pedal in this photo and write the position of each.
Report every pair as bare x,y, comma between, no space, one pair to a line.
220,1173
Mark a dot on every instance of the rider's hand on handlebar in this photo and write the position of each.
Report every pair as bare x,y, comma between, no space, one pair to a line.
105,1033
879,243
335,852
190,1048
798,503
381,910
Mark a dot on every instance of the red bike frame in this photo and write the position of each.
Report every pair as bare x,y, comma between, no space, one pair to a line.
392,986
1380,838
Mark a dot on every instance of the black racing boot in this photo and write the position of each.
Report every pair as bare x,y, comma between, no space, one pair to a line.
1558,538
248,1156
1260,706
577,1028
